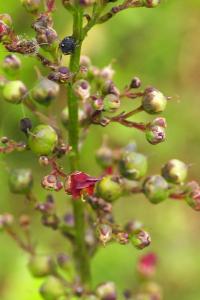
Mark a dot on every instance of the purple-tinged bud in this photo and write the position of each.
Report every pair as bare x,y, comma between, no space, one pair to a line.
151,3
153,101
45,91
52,288
85,61
6,19
104,233
82,89
31,6
6,220
11,64
97,103
140,239
155,134
135,83
47,39
104,157
110,88
159,122
14,91
111,103
193,195
133,165
175,171
156,189
133,226
109,188
65,117
40,266
122,237
51,183
25,125
107,73
63,261
20,181
106,291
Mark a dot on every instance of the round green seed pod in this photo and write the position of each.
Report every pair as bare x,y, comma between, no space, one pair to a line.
14,91
109,188
111,103
20,181
153,101
45,91
42,140
41,266
175,171
52,289
156,189
133,165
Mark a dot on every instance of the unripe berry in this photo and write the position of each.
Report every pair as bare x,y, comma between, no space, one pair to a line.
106,291
68,45
11,64
111,103
31,6
45,91
42,140
151,3
14,91
153,101
109,188
52,289
133,165
156,189
155,134
41,266
65,117
20,181
140,239
175,171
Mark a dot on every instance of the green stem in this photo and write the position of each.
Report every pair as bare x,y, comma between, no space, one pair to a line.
80,250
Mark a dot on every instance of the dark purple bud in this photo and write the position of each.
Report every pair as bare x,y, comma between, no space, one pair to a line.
135,83
25,125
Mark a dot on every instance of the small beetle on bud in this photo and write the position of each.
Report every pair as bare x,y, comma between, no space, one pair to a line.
153,101
109,188
45,91
11,64
14,91
156,189
175,171
140,239
68,45
20,181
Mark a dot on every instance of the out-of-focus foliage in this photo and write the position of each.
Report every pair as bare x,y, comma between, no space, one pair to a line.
162,47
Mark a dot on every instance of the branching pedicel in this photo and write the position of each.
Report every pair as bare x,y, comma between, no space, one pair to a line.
92,100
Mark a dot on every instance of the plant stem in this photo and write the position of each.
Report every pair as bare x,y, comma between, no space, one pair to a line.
80,250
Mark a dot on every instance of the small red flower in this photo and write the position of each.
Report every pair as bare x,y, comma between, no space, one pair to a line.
147,264
79,183
3,29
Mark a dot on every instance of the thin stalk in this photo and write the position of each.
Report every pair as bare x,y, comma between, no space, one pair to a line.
80,250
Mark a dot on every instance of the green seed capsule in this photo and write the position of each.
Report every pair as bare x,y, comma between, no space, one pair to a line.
41,266
45,91
175,171
111,103
155,134
14,91
153,101
20,181
156,189
52,289
133,165
140,239
109,189
42,140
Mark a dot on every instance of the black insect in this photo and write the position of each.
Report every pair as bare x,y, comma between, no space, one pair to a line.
68,45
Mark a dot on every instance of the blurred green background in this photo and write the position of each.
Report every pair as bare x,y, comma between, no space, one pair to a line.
162,47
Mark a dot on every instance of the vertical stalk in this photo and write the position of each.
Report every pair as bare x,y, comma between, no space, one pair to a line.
80,250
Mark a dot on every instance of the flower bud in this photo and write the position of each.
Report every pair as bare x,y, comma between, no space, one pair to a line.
175,171
51,183
133,226
20,181
104,157
193,195
151,3
40,266
159,122
47,39
65,116
106,291
11,64
31,6
110,88
6,220
43,140
45,91
85,61
109,188
135,83
133,165
111,103
6,19
63,261
14,91
155,134
52,289
107,73
97,103
82,89
105,233
122,237
140,239
156,189
153,101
